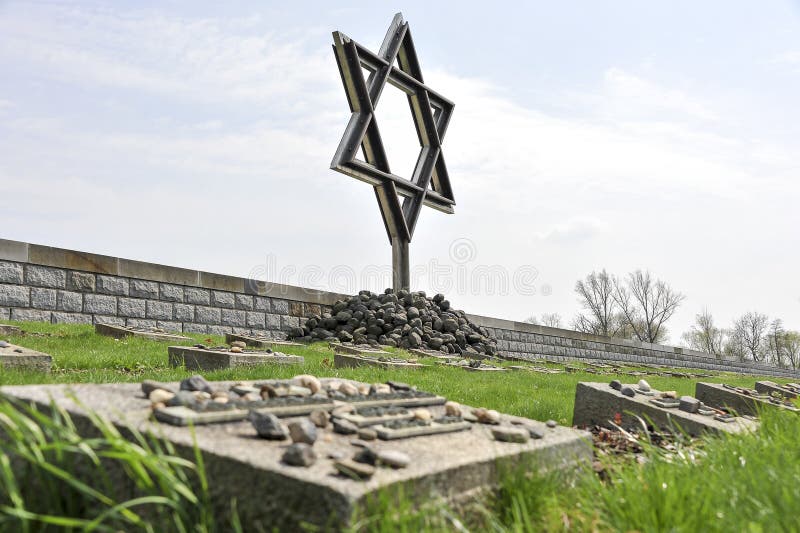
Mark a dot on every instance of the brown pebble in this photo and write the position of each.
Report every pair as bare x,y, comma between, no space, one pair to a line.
367,434
235,349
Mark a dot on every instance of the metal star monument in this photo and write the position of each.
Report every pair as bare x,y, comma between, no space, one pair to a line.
429,184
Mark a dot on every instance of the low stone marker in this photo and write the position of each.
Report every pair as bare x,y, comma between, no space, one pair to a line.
357,349
341,360
120,332
259,341
334,465
433,353
599,403
13,356
738,399
790,390
475,365
197,358
7,329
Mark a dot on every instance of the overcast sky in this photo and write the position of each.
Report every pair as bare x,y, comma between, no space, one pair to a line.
586,135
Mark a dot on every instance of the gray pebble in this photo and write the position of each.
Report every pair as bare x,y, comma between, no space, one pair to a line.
268,426
299,454
627,390
615,384
551,424
344,427
393,458
510,434
196,383
303,430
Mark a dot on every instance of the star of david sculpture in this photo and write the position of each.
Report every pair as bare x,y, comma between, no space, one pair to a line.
429,183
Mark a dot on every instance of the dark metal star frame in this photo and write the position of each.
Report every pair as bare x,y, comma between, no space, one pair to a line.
429,184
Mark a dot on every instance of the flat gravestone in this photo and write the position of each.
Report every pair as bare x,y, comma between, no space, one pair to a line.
737,399
598,404
273,495
194,358
260,341
120,332
6,329
436,354
790,390
357,349
341,360
13,356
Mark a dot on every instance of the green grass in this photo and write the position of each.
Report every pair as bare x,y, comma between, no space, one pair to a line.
740,483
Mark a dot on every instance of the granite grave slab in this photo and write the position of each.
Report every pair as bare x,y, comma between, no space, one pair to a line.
196,358
260,341
7,329
739,400
13,356
599,403
271,493
155,334
790,390
386,360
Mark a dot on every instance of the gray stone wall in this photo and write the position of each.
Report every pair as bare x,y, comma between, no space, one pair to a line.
519,340
93,291
41,283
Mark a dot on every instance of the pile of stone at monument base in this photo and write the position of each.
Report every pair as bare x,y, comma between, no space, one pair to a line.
403,319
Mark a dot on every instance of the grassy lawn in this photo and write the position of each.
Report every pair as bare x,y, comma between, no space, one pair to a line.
743,483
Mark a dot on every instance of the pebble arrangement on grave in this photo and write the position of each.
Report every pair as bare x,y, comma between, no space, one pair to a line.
259,340
380,359
202,357
788,391
7,329
740,400
615,403
13,356
152,333
403,319
313,449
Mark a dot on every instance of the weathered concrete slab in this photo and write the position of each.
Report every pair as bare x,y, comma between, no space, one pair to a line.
7,329
260,341
433,353
271,494
120,332
770,387
13,356
737,399
341,360
360,349
194,358
598,403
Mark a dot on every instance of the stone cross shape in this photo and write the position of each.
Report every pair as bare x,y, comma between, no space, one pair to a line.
429,184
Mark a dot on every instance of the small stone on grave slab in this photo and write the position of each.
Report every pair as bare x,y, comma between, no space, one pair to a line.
354,469
511,434
689,404
666,403
300,454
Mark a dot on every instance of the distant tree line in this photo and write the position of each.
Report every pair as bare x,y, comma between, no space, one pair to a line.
638,306
752,336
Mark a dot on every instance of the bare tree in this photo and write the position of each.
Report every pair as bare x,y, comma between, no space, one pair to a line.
647,304
775,341
551,320
792,348
705,336
749,332
596,296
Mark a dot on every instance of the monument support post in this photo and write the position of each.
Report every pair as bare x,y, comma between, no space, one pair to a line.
401,267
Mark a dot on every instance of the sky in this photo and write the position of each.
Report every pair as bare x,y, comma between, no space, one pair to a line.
586,135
